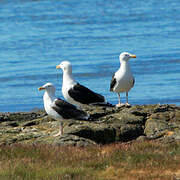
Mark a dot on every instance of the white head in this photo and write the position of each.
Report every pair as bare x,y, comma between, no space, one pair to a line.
65,66
48,87
125,56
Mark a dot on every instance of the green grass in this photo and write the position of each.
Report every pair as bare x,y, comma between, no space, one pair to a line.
137,160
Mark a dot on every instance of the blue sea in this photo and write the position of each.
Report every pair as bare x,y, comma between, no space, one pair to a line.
36,35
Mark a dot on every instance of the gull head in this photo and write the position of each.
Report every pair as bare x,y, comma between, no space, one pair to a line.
125,56
49,87
65,66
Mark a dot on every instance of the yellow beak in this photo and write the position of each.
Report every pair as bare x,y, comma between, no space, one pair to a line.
41,88
133,56
58,67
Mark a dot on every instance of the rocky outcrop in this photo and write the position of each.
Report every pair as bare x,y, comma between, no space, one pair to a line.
107,125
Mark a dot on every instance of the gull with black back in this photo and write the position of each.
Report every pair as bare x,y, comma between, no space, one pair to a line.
75,93
59,109
123,80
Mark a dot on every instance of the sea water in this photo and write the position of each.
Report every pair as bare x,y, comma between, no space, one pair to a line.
36,35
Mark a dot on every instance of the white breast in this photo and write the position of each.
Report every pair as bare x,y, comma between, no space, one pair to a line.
49,110
124,81
65,88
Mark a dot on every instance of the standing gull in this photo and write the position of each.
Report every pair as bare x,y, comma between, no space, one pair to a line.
59,109
76,93
123,80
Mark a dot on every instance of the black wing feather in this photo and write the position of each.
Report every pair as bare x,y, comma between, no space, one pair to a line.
68,111
113,82
84,95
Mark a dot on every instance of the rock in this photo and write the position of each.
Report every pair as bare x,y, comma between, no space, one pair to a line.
73,140
107,125
142,138
164,119
21,116
99,133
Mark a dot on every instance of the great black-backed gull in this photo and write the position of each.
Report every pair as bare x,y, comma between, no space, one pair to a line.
76,93
123,80
59,109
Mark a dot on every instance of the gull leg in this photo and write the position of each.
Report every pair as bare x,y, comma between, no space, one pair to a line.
60,130
127,99
119,98
118,105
